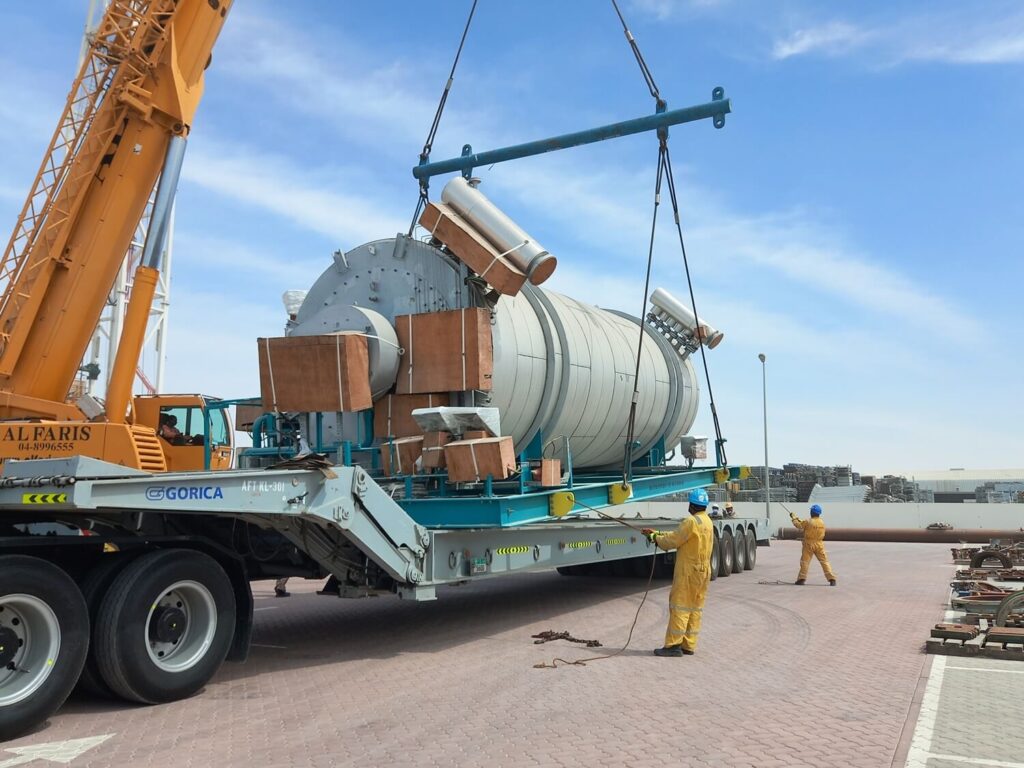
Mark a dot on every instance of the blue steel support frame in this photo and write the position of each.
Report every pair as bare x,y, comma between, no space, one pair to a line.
716,110
454,511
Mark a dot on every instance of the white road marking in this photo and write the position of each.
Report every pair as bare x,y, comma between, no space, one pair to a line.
974,761
989,669
62,752
268,608
267,645
920,746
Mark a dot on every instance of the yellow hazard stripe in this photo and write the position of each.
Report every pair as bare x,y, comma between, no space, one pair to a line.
44,498
614,542
579,544
511,550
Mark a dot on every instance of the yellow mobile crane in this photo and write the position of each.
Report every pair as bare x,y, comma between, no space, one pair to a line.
124,126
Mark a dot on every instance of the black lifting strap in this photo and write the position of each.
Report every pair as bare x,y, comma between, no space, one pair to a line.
664,171
429,143
627,462
719,441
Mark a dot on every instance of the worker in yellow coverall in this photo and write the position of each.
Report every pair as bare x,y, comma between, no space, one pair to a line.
814,544
692,541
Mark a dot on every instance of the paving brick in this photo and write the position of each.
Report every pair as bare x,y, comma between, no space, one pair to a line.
783,676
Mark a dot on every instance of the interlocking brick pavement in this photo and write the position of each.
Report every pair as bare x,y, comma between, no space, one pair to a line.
783,676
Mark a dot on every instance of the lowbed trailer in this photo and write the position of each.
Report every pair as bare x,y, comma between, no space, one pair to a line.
156,595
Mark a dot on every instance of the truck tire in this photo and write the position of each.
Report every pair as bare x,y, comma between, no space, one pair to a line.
164,626
715,556
94,587
751,550
44,638
726,552
739,558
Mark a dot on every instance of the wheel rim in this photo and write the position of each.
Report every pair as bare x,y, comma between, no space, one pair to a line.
31,624
181,626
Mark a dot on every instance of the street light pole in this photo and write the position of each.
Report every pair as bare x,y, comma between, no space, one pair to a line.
764,405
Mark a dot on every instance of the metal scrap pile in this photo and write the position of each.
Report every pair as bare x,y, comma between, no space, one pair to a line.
990,598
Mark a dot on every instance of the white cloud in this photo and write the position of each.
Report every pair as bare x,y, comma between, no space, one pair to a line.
613,210
831,39
818,259
957,36
217,358
276,185
666,9
346,88
231,256
993,47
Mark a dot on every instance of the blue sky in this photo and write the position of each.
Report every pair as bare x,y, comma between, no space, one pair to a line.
859,219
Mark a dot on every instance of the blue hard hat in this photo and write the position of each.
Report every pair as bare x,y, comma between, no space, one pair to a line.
815,510
699,497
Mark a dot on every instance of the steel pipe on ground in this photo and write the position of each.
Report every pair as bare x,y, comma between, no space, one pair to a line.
912,535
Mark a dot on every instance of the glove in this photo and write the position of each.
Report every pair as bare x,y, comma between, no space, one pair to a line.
650,533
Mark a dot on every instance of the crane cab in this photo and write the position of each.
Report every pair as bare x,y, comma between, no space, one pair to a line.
192,434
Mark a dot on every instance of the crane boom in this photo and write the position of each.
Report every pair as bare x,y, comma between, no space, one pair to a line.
138,87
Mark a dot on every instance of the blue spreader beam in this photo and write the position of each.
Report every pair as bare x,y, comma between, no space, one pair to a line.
716,109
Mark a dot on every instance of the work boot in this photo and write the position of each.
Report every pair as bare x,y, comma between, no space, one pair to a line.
800,582
831,582
687,652
281,592
671,650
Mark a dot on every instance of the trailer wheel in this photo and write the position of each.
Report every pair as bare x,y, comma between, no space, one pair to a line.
164,626
44,638
715,557
739,558
751,550
727,551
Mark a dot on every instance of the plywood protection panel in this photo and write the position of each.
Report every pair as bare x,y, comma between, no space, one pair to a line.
328,373
445,351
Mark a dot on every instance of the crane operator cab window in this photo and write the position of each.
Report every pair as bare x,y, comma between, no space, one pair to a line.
184,426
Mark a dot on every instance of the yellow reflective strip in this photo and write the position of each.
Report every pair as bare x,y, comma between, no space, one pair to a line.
688,608
518,550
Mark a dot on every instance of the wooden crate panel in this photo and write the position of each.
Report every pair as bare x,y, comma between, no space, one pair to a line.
315,373
433,449
445,351
472,249
471,461
398,457
392,414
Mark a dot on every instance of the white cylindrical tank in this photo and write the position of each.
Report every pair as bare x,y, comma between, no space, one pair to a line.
566,368
563,369
680,318
503,233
